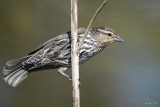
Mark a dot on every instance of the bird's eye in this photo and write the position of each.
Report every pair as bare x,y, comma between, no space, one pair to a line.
109,34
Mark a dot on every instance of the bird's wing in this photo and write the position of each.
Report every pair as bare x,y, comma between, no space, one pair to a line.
67,34
36,58
47,51
43,45
53,40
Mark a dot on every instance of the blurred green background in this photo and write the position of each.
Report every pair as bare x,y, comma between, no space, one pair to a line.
123,75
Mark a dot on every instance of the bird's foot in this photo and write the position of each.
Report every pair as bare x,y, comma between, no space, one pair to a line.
61,71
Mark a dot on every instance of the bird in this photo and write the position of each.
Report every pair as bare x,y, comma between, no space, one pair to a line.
56,54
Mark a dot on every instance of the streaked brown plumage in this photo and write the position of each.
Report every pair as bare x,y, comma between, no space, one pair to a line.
56,53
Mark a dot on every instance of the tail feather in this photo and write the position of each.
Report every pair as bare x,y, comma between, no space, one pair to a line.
16,77
13,72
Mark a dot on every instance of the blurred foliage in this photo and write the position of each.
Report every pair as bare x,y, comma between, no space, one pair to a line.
123,75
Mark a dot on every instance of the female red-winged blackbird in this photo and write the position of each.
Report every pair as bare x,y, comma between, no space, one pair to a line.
56,53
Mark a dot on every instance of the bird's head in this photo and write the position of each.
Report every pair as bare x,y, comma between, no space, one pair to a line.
107,35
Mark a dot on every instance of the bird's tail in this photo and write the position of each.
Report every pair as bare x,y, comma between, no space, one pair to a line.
13,72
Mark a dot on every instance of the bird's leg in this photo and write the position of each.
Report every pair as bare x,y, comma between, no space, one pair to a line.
61,71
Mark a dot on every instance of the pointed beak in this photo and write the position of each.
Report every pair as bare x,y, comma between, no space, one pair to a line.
118,39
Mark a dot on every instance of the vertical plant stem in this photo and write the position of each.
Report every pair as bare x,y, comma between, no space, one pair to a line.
75,55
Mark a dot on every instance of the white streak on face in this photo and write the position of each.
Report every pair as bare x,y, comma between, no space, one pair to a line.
104,31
